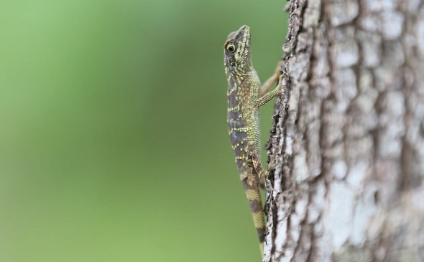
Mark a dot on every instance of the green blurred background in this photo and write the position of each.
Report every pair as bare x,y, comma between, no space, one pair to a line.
113,136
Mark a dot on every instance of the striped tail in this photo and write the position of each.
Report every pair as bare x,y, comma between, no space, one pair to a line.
251,187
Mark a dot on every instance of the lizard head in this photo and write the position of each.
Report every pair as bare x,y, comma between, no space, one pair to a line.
237,51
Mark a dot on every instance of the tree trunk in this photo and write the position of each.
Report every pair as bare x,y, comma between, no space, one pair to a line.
348,136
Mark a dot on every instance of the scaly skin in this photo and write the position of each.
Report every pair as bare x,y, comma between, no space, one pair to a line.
245,96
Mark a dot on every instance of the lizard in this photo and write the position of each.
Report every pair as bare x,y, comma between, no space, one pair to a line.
245,96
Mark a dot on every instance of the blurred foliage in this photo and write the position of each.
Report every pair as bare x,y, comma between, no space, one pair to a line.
113,141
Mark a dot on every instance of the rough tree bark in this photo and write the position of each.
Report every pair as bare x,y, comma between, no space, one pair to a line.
348,135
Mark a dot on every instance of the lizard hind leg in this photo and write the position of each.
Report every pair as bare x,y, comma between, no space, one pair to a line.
251,187
257,165
270,82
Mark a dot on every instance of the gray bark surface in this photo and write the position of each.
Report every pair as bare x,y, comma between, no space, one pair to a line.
348,135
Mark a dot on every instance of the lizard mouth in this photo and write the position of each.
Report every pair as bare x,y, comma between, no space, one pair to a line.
241,35
244,28
244,32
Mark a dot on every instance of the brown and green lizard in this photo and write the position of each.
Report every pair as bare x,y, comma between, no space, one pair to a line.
245,96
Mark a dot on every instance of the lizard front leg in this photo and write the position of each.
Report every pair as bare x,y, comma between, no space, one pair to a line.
262,100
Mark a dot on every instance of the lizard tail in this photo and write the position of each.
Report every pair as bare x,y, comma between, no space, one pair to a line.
251,187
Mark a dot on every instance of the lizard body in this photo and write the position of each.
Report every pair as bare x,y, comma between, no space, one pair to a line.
245,96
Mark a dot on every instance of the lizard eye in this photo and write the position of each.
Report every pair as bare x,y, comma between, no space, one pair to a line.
231,48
